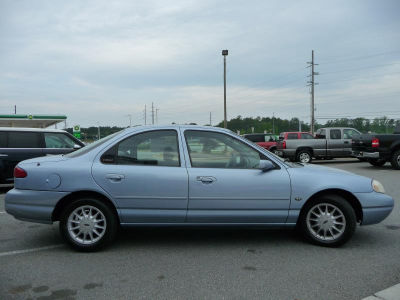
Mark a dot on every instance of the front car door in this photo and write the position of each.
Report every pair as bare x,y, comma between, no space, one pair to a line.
146,177
226,186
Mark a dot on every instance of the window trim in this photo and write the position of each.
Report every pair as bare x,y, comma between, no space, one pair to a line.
277,167
115,146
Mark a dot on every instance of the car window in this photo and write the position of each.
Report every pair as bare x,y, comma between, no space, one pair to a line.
350,133
292,136
91,146
335,134
158,148
269,138
306,136
58,140
24,140
3,139
255,138
282,136
217,150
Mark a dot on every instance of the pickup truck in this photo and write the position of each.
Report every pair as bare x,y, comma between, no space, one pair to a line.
378,148
265,140
328,143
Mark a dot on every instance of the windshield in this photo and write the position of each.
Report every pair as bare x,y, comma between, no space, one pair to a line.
91,146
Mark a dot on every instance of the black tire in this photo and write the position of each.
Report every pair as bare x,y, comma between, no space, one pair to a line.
345,208
377,162
273,150
302,154
395,160
111,224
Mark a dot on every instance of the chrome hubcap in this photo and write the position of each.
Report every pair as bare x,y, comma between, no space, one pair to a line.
326,222
304,157
86,224
398,159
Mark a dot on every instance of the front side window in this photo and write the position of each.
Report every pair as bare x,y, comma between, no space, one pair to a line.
217,150
335,134
58,140
158,148
24,140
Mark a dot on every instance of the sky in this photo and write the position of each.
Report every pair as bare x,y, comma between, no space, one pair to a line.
101,62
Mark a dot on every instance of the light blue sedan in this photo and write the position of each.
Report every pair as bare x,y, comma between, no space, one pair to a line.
189,176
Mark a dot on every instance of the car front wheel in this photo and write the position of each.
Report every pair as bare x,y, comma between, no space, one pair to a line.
88,224
328,221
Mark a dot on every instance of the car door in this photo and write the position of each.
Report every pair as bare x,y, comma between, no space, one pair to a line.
226,186
21,145
335,143
146,177
348,134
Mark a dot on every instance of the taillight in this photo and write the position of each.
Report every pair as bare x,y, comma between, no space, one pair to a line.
375,143
284,145
19,172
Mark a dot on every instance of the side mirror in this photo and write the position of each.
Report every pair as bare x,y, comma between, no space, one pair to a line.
76,147
266,165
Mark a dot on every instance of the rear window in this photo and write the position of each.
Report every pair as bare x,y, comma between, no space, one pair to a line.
292,136
306,136
24,140
3,139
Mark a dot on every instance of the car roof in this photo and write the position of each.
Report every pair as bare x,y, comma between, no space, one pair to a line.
30,129
160,127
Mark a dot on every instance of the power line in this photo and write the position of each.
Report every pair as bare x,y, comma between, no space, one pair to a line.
357,69
352,58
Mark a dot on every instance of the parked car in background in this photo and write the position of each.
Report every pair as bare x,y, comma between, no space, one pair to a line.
18,144
265,140
328,143
378,148
189,176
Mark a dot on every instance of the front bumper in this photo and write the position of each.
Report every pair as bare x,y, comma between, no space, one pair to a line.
32,206
375,207
362,154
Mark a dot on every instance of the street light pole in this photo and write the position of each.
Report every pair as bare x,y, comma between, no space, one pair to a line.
225,54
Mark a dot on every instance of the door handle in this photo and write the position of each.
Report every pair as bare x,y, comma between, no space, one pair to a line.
206,179
3,155
115,177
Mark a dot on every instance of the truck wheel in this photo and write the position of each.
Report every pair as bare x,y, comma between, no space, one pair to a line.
273,150
377,162
304,156
88,224
328,221
395,160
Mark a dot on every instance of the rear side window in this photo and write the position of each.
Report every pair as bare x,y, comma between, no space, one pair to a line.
58,140
335,134
292,136
24,140
306,136
3,139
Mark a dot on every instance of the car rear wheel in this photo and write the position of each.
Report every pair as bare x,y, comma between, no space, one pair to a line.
88,224
377,162
304,156
395,160
328,221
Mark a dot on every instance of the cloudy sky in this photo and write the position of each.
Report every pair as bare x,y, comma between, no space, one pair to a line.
99,61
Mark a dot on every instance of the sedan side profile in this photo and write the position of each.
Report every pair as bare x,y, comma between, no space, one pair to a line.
189,176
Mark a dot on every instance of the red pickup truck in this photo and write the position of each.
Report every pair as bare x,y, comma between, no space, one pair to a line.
265,140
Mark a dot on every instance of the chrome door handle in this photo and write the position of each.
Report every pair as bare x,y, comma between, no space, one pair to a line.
3,155
206,179
115,177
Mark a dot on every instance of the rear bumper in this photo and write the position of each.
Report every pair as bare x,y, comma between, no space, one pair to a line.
32,206
375,207
362,154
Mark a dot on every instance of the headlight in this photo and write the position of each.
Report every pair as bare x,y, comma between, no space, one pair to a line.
377,186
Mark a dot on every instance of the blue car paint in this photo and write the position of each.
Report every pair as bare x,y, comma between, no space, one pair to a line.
151,195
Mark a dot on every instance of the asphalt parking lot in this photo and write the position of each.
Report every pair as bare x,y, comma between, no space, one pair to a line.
206,264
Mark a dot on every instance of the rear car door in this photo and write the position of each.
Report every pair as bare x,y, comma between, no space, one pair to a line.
21,145
146,177
226,186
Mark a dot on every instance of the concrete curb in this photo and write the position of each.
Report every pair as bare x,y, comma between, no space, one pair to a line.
392,293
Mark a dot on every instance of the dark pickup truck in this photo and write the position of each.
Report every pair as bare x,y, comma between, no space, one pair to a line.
378,148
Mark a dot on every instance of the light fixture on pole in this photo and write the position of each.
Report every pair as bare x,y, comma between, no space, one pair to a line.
225,54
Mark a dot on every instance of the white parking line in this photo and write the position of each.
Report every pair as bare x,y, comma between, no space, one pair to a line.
8,253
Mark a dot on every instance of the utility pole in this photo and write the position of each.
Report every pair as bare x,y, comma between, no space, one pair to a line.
312,83
225,53
15,109
145,115
299,125
273,123
210,119
152,113
157,109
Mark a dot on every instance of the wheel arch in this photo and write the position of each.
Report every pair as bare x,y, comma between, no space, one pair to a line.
395,147
66,200
348,196
309,149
